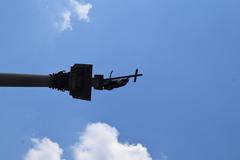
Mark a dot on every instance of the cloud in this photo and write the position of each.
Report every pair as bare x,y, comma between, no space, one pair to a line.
75,9
100,142
66,21
81,10
44,149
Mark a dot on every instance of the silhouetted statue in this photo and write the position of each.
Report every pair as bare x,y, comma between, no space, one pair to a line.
78,81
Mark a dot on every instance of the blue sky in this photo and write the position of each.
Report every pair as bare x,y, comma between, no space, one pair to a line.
185,107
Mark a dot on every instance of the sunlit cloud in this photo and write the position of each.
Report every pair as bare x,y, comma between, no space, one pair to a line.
44,149
99,141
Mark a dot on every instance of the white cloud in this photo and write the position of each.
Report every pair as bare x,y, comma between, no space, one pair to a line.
100,142
44,149
81,10
76,9
65,23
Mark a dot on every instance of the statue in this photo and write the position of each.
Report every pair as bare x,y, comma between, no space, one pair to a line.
78,81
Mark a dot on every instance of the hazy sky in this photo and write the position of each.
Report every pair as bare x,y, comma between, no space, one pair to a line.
185,107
